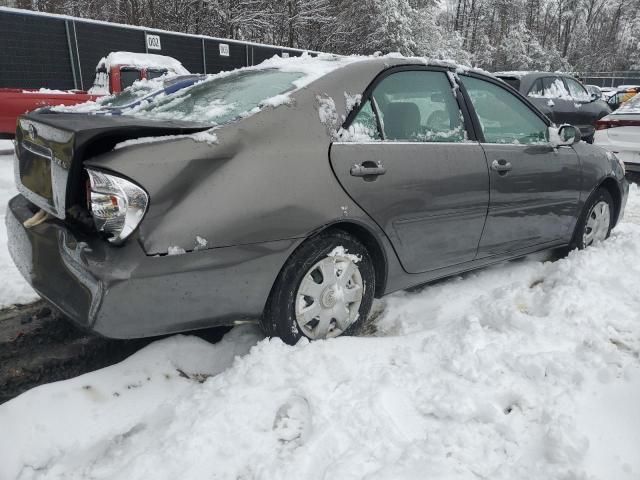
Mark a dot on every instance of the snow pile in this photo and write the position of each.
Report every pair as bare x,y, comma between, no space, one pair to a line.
174,250
6,147
526,370
50,91
206,136
13,288
327,112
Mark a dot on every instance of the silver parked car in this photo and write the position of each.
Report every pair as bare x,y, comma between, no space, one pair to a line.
325,183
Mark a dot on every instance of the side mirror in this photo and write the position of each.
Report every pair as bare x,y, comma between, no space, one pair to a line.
565,135
595,96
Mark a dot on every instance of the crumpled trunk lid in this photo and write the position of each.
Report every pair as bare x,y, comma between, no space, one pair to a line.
51,147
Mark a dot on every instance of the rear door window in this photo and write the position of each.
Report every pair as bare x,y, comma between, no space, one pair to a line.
548,87
554,88
413,106
537,89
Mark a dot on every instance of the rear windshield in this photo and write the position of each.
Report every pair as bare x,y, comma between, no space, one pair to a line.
221,99
137,91
513,81
144,88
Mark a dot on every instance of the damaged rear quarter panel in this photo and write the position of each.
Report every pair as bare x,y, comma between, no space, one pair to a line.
268,178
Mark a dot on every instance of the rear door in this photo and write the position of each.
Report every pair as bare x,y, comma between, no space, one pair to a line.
534,188
407,160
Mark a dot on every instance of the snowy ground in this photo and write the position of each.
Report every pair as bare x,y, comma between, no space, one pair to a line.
13,288
529,370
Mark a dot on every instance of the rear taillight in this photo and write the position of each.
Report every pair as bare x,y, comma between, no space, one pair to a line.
612,123
116,205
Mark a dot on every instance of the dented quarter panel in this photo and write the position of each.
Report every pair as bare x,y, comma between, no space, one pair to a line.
268,177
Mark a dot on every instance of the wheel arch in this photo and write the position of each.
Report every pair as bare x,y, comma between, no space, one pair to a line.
363,234
373,246
611,185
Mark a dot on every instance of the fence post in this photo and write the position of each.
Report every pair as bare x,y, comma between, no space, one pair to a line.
71,59
75,36
204,58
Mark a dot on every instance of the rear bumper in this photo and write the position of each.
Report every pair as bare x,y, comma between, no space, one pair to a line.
628,153
121,292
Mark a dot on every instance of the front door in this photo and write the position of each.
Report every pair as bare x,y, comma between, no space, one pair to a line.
534,188
407,162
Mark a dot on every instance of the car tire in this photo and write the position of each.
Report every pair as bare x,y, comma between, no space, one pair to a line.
596,219
305,304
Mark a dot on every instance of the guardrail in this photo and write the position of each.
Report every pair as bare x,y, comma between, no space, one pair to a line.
611,79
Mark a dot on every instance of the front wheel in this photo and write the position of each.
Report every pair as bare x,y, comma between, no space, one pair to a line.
324,290
596,220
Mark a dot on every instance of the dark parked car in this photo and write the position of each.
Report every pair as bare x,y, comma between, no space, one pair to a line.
561,97
328,182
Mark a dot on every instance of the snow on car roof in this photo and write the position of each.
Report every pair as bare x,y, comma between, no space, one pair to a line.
513,73
194,105
142,60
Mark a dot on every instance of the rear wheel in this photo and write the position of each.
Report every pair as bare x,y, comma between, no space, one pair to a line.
596,220
324,290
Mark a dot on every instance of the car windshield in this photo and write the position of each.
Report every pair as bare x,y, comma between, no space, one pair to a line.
220,99
630,107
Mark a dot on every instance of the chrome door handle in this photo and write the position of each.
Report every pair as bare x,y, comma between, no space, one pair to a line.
501,166
368,169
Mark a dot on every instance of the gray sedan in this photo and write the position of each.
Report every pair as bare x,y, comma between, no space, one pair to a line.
324,183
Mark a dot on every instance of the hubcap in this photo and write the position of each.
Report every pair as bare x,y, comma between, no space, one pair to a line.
329,297
597,225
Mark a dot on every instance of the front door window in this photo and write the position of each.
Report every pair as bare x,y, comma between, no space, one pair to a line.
504,118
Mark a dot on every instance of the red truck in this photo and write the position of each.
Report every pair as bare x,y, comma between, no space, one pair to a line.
114,73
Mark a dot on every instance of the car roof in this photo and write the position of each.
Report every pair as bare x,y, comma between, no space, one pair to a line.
532,74
390,60
382,62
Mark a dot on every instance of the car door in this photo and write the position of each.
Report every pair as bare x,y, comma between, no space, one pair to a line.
534,188
407,160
